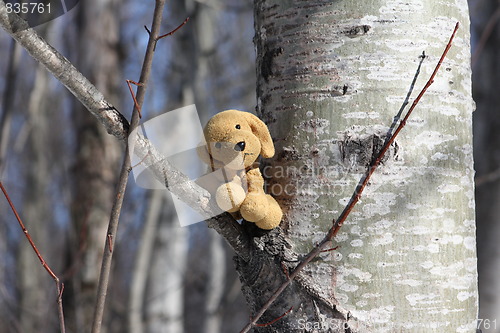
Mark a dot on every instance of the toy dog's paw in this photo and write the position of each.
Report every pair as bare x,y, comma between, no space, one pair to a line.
255,207
255,180
229,197
273,216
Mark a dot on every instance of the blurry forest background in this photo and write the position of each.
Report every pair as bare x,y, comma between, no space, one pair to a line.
61,167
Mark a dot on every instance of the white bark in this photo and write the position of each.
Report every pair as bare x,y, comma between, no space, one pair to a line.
142,263
164,302
206,37
332,77
216,284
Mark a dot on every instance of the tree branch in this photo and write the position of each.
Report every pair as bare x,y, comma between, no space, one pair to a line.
59,284
65,72
117,125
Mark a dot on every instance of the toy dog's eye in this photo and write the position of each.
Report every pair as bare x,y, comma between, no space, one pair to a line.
237,126
218,145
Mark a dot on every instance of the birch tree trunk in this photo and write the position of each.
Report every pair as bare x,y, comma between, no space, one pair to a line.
164,304
33,282
331,77
97,158
142,263
205,39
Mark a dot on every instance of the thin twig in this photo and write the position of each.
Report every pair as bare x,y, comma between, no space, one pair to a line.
129,82
275,319
168,33
407,98
59,284
125,170
354,199
173,31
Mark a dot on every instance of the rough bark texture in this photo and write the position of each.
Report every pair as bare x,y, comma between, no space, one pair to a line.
331,77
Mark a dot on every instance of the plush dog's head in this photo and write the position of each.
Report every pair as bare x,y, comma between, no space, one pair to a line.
235,139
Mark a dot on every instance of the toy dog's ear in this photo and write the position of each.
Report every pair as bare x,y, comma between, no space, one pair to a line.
260,130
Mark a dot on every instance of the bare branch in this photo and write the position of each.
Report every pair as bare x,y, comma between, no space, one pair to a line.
59,284
173,31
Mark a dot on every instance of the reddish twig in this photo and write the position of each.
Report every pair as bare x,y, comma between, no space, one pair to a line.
354,199
276,319
173,31
330,249
110,243
376,162
141,161
59,284
167,34
133,95
285,270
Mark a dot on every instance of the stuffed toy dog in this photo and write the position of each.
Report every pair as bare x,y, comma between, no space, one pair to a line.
235,139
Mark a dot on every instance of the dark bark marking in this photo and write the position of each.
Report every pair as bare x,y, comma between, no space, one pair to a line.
266,66
357,31
362,150
289,154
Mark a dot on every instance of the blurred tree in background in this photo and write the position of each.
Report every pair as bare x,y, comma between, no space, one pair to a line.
485,29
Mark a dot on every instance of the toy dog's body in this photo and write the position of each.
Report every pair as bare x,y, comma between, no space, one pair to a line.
235,139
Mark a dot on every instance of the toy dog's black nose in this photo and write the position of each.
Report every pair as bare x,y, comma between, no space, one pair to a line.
240,146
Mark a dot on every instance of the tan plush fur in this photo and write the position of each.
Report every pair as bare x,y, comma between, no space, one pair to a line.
235,139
